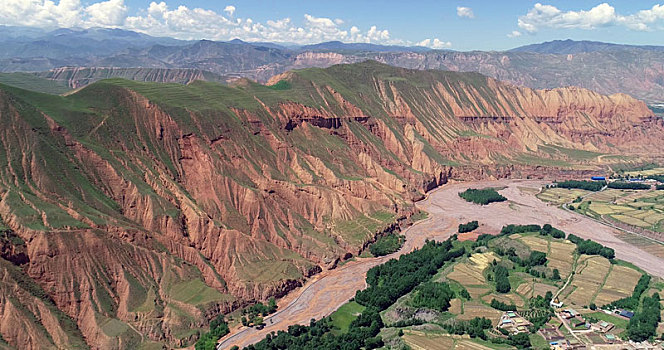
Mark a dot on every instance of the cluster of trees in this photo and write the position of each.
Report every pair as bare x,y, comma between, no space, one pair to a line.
389,281
641,286
254,314
474,327
584,185
513,229
499,305
628,185
519,341
433,295
548,230
483,240
632,302
501,275
463,293
541,311
407,323
482,196
362,333
588,247
218,329
660,187
555,275
536,258
387,244
644,323
469,226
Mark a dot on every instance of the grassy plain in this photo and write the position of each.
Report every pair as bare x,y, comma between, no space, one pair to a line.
342,318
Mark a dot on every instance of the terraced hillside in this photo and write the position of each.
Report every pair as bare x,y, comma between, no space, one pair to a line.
142,210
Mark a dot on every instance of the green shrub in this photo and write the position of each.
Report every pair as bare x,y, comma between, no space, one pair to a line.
468,227
387,244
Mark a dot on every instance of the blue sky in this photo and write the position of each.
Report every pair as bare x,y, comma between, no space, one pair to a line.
458,25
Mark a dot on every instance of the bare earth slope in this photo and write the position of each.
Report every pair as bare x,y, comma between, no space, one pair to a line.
145,209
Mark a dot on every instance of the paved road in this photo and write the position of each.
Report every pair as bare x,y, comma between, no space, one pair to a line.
324,294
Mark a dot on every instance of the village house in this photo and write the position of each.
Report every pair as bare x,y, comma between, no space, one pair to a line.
513,323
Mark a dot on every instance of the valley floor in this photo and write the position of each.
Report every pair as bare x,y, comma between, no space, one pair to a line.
324,294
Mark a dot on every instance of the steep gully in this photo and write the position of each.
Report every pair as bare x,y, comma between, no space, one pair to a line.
324,294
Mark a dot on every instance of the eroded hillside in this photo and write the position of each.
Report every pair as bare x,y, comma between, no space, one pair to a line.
142,210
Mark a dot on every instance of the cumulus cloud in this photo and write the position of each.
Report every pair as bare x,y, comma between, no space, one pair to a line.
40,13
466,12
230,10
514,34
109,13
603,15
183,22
434,44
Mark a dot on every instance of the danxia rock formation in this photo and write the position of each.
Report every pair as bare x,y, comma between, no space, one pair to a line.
132,213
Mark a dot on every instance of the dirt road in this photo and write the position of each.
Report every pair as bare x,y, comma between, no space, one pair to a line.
331,289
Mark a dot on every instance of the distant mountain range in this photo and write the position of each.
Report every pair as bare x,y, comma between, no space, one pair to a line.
339,46
603,67
560,47
72,44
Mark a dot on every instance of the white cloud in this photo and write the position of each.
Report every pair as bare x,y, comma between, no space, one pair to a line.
514,34
183,22
439,44
466,12
434,44
602,15
40,13
110,13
